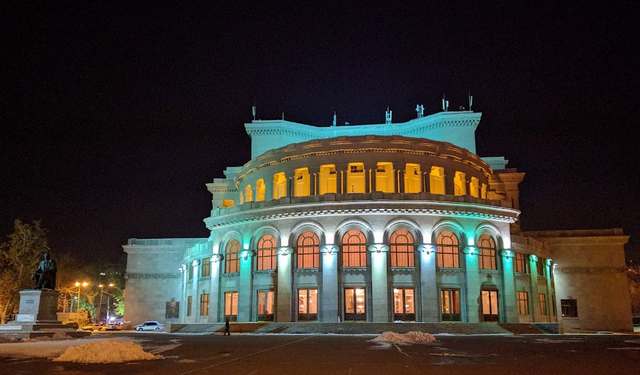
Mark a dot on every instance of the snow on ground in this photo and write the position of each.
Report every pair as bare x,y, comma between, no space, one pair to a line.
113,351
41,349
409,338
558,341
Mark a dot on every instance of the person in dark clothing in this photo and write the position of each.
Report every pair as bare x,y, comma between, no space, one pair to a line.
226,327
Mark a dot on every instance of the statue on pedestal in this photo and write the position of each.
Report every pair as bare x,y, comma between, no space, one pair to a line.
45,275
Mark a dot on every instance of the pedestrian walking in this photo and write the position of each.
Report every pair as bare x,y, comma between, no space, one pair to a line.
226,327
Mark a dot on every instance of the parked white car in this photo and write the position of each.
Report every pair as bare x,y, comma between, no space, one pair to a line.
150,325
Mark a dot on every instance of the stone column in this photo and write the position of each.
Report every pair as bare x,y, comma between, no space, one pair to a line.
533,273
283,291
245,286
472,280
508,287
379,283
550,299
195,298
428,287
329,295
214,297
449,174
183,301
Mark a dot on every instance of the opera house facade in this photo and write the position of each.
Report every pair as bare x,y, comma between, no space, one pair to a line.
376,223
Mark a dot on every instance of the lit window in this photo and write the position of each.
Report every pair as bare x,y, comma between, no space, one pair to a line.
354,249
523,303
307,304
265,305
448,250
542,303
266,258
404,304
279,185
474,187
401,244
436,180
522,263
261,190
308,251
231,263
459,184
355,178
189,305
487,247
231,305
227,203
450,304
355,306
248,194
412,178
302,183
204,304
483,191
328,179
205,270
489,305
384,177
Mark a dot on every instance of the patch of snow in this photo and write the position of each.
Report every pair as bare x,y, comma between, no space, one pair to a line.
409,338
41,349
113,351
560,341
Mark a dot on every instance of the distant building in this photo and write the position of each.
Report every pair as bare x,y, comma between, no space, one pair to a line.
378,223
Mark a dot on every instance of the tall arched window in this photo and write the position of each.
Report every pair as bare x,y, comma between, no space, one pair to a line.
231,263
448,250
487,247
401,246
354,249
279,185
266,258
436,180
248,194
260,190
459,183
308,250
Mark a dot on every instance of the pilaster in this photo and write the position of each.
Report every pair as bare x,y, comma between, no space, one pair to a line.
508,292
245,286
329,294
472,280
533,298
214,297
283,292
428,287
379,282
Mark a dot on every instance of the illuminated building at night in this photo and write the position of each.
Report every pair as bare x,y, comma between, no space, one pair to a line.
377,223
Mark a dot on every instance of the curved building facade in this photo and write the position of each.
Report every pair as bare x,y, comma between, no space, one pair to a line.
375,223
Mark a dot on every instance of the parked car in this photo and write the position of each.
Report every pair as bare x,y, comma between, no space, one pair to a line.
150,325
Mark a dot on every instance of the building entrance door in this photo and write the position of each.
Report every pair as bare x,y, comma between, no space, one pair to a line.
490,305
355,304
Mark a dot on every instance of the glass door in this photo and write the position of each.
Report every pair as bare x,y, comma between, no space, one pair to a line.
355,304
490,305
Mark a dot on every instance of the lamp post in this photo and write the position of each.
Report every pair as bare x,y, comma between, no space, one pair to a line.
84,284
101,286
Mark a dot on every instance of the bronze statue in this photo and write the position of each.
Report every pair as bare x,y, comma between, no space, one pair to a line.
45,275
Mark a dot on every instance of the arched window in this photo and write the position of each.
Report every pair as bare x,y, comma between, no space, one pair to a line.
412,178
231,263
487,247
436,180
302,182
448,250
459,183
248,194
261,189
308,251
401,246
266,253
279,185
354,249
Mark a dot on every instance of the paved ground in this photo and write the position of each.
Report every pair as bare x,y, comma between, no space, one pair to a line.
330,354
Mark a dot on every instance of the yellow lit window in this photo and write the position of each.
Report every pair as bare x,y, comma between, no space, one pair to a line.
241,198
301,183
436,180
355,178
384,177
412,178
459,187
483,191
328,179
474,187
279,185
261,189
228,203
248,194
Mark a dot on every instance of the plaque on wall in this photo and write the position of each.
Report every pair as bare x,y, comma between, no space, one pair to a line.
172,309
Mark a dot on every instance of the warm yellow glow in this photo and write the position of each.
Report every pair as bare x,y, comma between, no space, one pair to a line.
228,203
77,283
111,285
241,198
100,286
261,189
279,185
248,194
459,187
412,178
474,187
355,178
384,177
302,183
85,284
483,191
436,180
328,179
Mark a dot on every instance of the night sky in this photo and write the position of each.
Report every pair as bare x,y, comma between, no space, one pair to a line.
114,118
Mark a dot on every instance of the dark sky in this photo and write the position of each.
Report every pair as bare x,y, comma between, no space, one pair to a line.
115,117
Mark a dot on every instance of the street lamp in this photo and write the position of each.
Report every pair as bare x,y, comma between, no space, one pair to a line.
84,284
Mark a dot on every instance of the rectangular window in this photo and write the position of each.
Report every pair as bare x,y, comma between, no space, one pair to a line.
265,305
569,308
279,185
459,183
231,305
522,263
450,304
542,303
523,303
205,271
412,178
355,178
355,306
489,305
302,182
436,180
474,187
307,304
189,305
204,304
404,304
328,179
385,177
